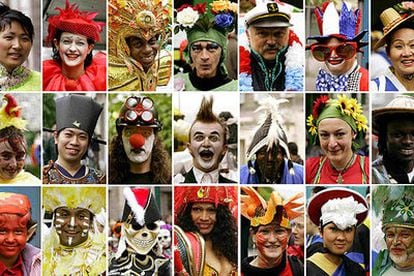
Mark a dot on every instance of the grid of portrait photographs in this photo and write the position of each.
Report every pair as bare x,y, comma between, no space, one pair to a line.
206,137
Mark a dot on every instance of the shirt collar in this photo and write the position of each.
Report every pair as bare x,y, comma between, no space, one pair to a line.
199,174
16,269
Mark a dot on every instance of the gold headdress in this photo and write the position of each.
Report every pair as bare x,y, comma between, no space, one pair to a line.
275,208
145,18
91,198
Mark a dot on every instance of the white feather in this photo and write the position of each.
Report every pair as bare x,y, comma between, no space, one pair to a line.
135,207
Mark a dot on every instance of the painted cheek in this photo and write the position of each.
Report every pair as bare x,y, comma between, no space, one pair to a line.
283,241
260,240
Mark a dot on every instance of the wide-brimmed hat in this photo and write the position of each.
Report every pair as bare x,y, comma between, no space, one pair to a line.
343,26
268,14
394,17
400,106
341,206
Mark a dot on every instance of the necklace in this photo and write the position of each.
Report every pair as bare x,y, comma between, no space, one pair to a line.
340,180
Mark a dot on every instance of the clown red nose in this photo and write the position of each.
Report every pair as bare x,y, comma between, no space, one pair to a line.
136,140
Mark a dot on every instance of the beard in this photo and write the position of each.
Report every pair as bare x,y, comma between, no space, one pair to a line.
402,259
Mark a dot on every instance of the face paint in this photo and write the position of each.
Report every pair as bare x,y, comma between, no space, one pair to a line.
13,236
138,154
141,240
400,243
72,225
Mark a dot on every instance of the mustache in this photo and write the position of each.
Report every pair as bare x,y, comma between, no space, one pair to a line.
272,47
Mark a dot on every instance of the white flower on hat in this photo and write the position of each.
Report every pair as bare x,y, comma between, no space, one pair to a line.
187,17
342,212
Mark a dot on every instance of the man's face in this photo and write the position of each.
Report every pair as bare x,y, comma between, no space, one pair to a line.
142,50
13,237
204,217
266,41
271,241
269,162
207,145
135,152
400,140
298,230
72,225
336,64
72,144
400,244
337,241
206,58
11,159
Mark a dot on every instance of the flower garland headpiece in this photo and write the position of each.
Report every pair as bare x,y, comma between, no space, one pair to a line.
275,208
199,25
344,108
71,19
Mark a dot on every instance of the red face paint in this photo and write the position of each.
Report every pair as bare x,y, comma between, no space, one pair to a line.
13,236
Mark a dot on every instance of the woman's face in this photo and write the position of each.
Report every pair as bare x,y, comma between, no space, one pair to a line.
337,241
335,137
73,49
401,51
15,46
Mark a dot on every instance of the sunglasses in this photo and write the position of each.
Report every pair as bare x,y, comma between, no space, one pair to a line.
346,50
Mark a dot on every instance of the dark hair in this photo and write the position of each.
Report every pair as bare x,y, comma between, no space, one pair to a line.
55,51
293,148
13,136
119,164
223,235
7,16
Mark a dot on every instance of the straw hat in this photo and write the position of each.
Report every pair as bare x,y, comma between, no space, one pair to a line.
391,19
401,105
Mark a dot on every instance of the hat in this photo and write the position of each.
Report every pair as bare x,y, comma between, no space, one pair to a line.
10,113
268,13
72,20
11,203
341,206
91,198
343,27
344,108
275,208
144,19
77,111
138,111
140,206
396,204
394,17
402,106
201,26
217,195
269,132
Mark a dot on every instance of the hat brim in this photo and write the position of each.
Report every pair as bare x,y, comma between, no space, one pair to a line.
318,200
269,24
381,42
381,115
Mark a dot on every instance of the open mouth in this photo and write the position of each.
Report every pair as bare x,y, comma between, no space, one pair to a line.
206,155
407,151
72,56
335,61
147,59
408,62
73,151
137,151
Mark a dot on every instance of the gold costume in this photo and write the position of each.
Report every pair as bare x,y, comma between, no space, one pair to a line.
145,19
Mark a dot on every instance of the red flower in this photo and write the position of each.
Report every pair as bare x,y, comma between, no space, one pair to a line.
184,6
245,61
201,8
318,105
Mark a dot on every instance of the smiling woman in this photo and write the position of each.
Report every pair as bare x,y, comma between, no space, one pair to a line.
16,40
72,34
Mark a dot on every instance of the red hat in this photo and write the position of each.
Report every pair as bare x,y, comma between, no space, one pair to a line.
17,204
223,195
72,20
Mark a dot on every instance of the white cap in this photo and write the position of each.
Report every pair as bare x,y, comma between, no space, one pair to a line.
268,13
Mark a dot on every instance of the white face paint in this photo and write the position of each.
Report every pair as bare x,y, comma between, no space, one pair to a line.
70,239
72,221
138,155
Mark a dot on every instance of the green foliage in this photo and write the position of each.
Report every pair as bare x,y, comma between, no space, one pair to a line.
49,110
163,105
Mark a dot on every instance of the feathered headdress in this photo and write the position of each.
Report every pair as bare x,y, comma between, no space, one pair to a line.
72,20
270,131
283,211
91,198
10,113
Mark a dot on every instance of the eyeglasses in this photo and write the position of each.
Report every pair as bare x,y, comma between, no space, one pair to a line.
345,50
139,109
212,47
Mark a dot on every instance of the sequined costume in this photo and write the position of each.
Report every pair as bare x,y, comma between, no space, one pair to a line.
52,175
146,20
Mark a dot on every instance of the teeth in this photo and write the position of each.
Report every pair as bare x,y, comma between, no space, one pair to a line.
142,243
